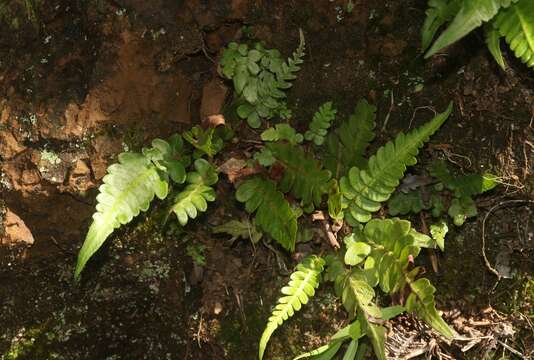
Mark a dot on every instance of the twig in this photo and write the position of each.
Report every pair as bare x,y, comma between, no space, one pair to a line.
391,106
512,350
502,203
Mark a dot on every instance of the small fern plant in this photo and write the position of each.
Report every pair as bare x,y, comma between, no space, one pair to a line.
379,253
132,183
512,20
260,77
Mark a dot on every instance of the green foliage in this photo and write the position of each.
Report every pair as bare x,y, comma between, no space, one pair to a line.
196,252
304,176
511,19
404,203
282,132
195,196
347,145
204,141
127,189
273,213
320,124
439,12
516,25
240,229
380,254
364,189
265,157
438,232
300,289
260,77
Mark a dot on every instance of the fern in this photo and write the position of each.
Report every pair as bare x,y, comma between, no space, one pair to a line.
273,213
240,229
282,132
301,287
304,176
321,123
393,243
516,24
364,189
260,77
204,141
347,145
128,189
194,198
438,13
470,15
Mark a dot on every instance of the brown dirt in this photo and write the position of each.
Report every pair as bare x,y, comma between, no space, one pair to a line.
89,79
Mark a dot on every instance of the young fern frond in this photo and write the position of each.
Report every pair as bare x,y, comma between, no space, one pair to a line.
320,123
516,25
300,289
364,189
128,189
273,213
471,15
304,176
194,198
346,146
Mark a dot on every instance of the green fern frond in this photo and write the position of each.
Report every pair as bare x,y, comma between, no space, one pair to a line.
493,41
282,132
195,197
204,141
364,189
471,15
438,13
347,145
128,189
465,185
421,301
304,176
300,289
320,123
273,213
516,25
240,229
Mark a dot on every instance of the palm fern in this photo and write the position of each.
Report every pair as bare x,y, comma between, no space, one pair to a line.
300,289
194,198
364,189
128,189
273,213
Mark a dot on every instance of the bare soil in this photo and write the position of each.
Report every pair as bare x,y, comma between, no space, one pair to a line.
81,81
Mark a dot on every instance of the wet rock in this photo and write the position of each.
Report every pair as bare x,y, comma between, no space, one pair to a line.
15,232
213,98
104,148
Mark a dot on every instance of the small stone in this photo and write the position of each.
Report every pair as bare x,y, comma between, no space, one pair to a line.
15,231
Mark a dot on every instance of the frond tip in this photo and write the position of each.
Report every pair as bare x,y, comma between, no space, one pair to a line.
300,289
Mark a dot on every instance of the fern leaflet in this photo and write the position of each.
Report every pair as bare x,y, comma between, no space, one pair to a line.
300,289
273,213
438,13
364,189
320,123
195,196
516,24
471,15
128,188
347,145
304,176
